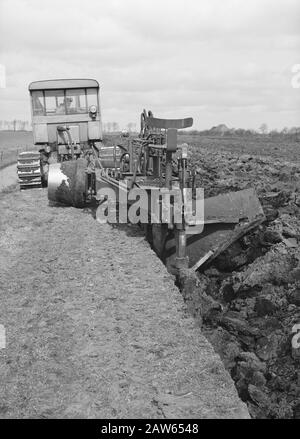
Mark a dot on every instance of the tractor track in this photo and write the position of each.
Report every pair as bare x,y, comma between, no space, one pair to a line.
95,326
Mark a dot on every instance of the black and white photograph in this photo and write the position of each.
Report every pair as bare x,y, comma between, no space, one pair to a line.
149,213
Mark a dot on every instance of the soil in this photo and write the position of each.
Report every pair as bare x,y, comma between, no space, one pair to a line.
95,327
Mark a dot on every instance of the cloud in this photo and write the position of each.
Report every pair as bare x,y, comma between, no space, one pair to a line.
226,61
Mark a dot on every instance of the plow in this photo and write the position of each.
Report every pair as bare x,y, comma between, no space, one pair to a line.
148,174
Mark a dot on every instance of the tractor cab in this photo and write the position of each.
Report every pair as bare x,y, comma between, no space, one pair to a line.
66,116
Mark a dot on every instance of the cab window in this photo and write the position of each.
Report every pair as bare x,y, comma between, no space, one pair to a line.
76,101
92,97
55,102
38,103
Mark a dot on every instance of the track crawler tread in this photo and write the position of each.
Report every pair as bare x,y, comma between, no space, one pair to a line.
29,169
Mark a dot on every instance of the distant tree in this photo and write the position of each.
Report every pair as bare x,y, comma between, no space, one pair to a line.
293,130
9,125
130,126
239,132
295,133
273,133
263,128
115,126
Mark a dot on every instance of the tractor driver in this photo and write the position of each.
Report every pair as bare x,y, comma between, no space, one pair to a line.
65,104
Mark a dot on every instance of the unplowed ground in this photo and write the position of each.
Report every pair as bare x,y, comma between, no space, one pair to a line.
94,324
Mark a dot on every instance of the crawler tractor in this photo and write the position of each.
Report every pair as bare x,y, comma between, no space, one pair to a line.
66,123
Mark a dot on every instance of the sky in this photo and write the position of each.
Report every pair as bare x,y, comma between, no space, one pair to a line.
226,61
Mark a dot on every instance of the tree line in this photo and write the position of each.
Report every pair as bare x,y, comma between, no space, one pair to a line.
25,125
15,125
223,130
113,127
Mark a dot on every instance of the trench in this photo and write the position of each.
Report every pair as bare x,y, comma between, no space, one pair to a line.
246,303
247,328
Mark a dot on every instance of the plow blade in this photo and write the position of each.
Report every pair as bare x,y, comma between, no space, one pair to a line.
227,218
